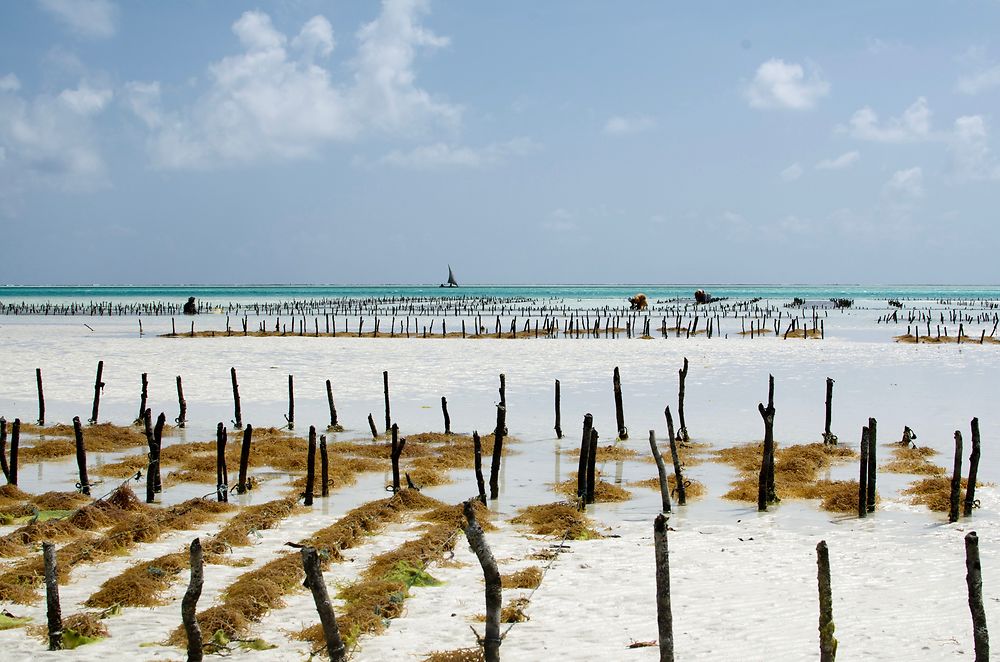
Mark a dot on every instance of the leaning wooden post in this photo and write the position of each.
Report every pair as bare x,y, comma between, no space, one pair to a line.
189,604
371,425
324,466
592,467
477,448
3,449
956,480
827,642
872,462
143,397
314,582
828,436
498,435
661,471
863,475
447,418
81,457
238,420
333,408
765,480
619,414
397,450
241,486
41,397
221,479
558,414
385,392
494,597
291,403
53,610
310,466
664,614
161,421
98,387
974,580
970,489
682,433
181,403
581,472
675,458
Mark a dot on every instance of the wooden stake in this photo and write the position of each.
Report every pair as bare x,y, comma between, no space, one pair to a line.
189,604
664,614
371,424
503,390
558,413
956,479
310,466
863,478
974,580
675,458
827,642
182,404
238,421
447,418
494,598
221,477
661,471
161,421
147,422
324,467
385,391
143,396
53,611
829,437
498,435
241,486
291,403
477,446
970,490
321,598
581,472
397,450
682,433
872,462
765,480
81,457
3,450
98,387
41,397
591,467
619,414
333,408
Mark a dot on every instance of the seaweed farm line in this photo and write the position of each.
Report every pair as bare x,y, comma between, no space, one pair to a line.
403,580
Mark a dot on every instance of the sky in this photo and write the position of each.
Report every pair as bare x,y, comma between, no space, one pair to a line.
522,142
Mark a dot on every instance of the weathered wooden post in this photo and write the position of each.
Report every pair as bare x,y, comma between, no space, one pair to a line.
147,423
664,614
863,477
872,462
970,489
558,413
241,486
974,580
221,478
189,604
765,480
324,466
371,425
161,421
3,449
828,436
682,433
477,446
827,642
143,397
98,387
619,414
310,466
592,467
41,397
333,408
290,417
661,471
503,390
447,418
581,473
397,450
321,598
53,611
675,458
238,421
956,480
385,391
181,403
494,598
498,435
81,457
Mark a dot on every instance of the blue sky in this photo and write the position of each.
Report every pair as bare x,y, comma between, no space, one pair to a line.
522,142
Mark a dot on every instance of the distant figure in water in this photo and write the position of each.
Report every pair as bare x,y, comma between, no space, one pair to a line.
638,302
190,308
701,296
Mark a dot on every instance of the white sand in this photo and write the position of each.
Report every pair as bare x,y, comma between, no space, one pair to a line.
898,577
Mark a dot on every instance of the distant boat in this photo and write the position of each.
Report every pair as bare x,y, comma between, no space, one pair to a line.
451,279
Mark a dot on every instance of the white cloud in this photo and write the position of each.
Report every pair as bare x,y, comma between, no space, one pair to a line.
914,125
906,183
10,83
972,158
979,81
86,100
619,125
443,155
791,173
845,160
779,84
274,101
90,18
